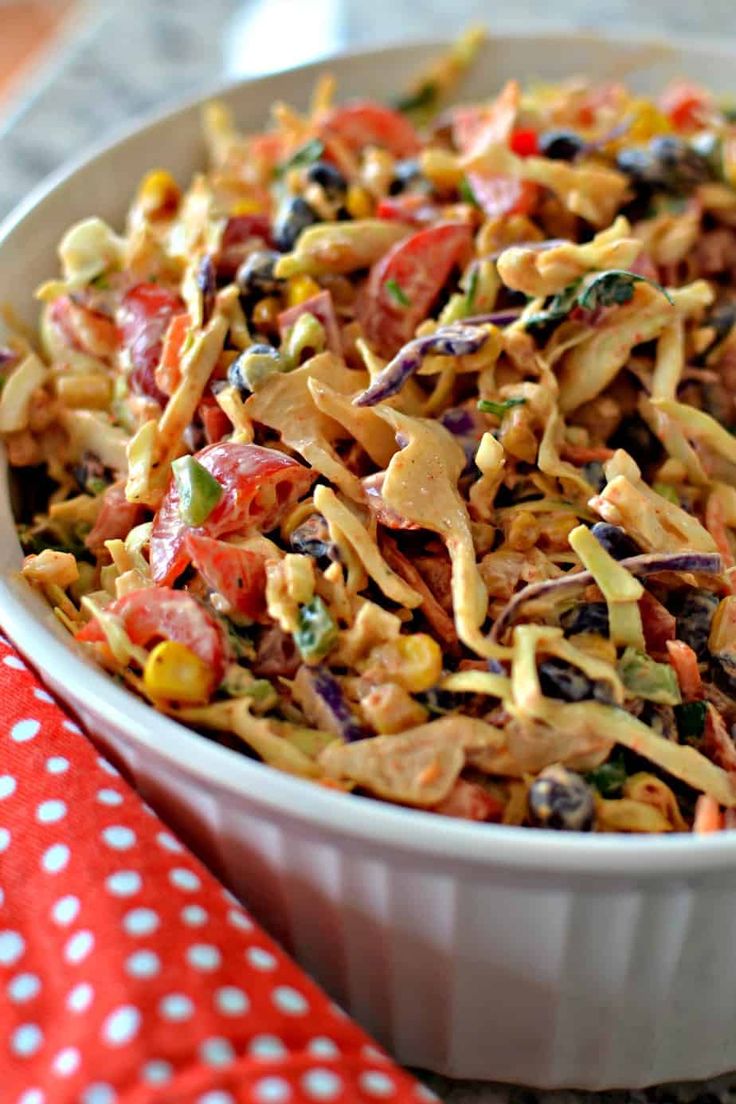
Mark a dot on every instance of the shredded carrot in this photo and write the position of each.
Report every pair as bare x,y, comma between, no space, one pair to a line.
716,526
168,373
685,663
708,817
582,454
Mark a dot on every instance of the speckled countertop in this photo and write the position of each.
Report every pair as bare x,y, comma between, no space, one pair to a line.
124,57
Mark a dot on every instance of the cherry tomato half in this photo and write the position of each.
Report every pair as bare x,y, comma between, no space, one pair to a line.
144,317
365,123
238,574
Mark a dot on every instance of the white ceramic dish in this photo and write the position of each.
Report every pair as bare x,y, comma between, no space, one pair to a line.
476,951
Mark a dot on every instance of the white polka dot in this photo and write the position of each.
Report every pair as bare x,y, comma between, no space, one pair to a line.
23,987
12,946
176,1007
124,883
272,1090
65,910
57,764
194,916
7,786
157,1072
32,1096
26,1039
78,947
55,858
289,1000
15,663
184,879
323,1047
267,1047
231,1001
49,812
119,837
107,767
217,1052
140,921
238,919
216,1096
66,1062
321,1084
80,997
24,730
203,956
4,839
121,1025
261,959
70,726
143,964
169,842
99,1093
42,695
109,797
376,1083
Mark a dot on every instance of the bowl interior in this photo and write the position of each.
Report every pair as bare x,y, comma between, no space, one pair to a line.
102,184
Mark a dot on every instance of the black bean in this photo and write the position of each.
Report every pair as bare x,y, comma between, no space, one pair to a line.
615,540
235,373
561,799
294,217
256,276
329,178
562,680
668,164
589,617
593,472
723,671
406,174
635,437
312,538
694,618
561,145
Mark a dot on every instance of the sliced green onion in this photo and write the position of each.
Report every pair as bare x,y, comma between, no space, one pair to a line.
397,293
199,491
488,406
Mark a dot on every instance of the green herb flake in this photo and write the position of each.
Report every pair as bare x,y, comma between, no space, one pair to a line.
690,718
308,153
199,491
609,778
614,287
467,195
397,293
316,631
472,291
489,406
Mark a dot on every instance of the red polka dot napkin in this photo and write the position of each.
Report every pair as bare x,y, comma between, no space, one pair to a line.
128,974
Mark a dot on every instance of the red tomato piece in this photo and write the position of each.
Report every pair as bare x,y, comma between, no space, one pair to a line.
241,235
419,266
115,519
158,613
82,328
365,123
658,623
503,195
486,124
524,142
469,801
238,574
214,420
259,485
323,309
687,106
144,317
416,210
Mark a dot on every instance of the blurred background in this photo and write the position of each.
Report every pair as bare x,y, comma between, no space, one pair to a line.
73,71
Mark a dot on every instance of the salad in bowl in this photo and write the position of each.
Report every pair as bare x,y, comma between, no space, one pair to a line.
397,449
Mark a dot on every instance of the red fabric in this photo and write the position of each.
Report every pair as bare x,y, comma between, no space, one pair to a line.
128,974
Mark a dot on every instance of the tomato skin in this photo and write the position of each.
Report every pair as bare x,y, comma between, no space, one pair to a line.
419,265
685,105
524,142
323,309
159,613
115,519
365,123
144,317
238,574
503,195
259,485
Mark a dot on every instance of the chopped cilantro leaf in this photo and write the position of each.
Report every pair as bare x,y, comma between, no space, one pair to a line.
488,406
466,192
397,293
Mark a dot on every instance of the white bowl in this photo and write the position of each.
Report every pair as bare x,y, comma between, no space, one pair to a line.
473,950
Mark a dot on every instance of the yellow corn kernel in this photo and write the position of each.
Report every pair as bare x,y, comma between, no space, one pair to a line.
158,194
247,206
420,662
648,121
174,673
266,312
359,202
301,288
